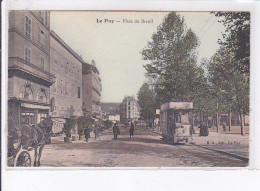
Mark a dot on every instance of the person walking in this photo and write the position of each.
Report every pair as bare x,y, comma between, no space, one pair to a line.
131,130
116,130
87,133
96,131
224,126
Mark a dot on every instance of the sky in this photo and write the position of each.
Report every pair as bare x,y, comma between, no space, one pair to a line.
115,43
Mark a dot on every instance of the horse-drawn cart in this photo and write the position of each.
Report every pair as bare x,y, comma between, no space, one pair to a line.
26,138
20,157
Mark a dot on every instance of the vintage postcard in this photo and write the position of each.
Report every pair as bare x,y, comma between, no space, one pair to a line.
128,88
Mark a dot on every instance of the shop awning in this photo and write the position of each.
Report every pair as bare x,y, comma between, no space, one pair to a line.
33,106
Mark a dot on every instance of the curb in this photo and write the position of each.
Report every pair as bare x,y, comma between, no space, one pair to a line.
245,159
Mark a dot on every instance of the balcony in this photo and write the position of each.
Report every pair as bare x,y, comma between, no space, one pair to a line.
19,67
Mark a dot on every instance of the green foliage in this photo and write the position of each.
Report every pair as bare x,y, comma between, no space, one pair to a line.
231,85
68,126
146,101
237,37
108,124
89,122
172,57
82,123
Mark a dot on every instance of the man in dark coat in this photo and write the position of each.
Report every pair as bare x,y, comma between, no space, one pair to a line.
87,133
131,130
116,130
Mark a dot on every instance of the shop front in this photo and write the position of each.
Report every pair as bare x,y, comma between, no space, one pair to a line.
26,113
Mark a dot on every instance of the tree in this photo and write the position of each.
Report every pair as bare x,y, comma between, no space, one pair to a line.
108,124
68,126
82,122
232,85
172,60
146,102
230,67
237,37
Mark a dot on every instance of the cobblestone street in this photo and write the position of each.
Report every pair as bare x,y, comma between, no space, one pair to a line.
146,149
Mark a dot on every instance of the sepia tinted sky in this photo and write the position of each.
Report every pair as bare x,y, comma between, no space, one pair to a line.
116,47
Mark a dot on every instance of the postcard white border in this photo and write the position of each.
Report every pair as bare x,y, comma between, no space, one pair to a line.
22,175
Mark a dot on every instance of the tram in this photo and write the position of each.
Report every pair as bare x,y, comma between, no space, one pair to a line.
176,121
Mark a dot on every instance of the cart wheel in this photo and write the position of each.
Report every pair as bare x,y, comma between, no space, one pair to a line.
22,158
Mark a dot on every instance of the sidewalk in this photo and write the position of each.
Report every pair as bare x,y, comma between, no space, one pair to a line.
230,143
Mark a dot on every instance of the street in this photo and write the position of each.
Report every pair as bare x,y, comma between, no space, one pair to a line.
146,149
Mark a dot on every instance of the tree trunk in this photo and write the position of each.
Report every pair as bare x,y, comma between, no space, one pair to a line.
242,122
201,117
217,121
229,122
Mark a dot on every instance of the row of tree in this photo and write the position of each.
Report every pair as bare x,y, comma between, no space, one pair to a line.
83,123
220,84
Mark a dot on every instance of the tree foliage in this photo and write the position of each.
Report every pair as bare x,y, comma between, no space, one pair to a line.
230,67
172,61
237,37
68,126
83,122
108,124
146,102
233,87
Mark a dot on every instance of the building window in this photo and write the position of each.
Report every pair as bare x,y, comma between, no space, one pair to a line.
60,86
42,64
54,87
42,96
43,16
42,39
66,88
28,27
72,90
66,69
27,118
78,92
27,54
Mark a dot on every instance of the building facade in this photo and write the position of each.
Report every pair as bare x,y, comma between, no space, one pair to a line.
91,91
66,92
129,110
29,76
114,118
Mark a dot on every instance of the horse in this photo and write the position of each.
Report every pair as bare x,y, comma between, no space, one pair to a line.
34,137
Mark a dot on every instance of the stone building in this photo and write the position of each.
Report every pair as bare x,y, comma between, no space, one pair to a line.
91,90
66,92
129,110
29,76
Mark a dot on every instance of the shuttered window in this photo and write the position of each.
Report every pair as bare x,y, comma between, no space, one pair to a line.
28,27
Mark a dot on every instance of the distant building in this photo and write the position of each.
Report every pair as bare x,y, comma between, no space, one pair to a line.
114,118
110,111
91,90
110,107
129,110
29,76
66,92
